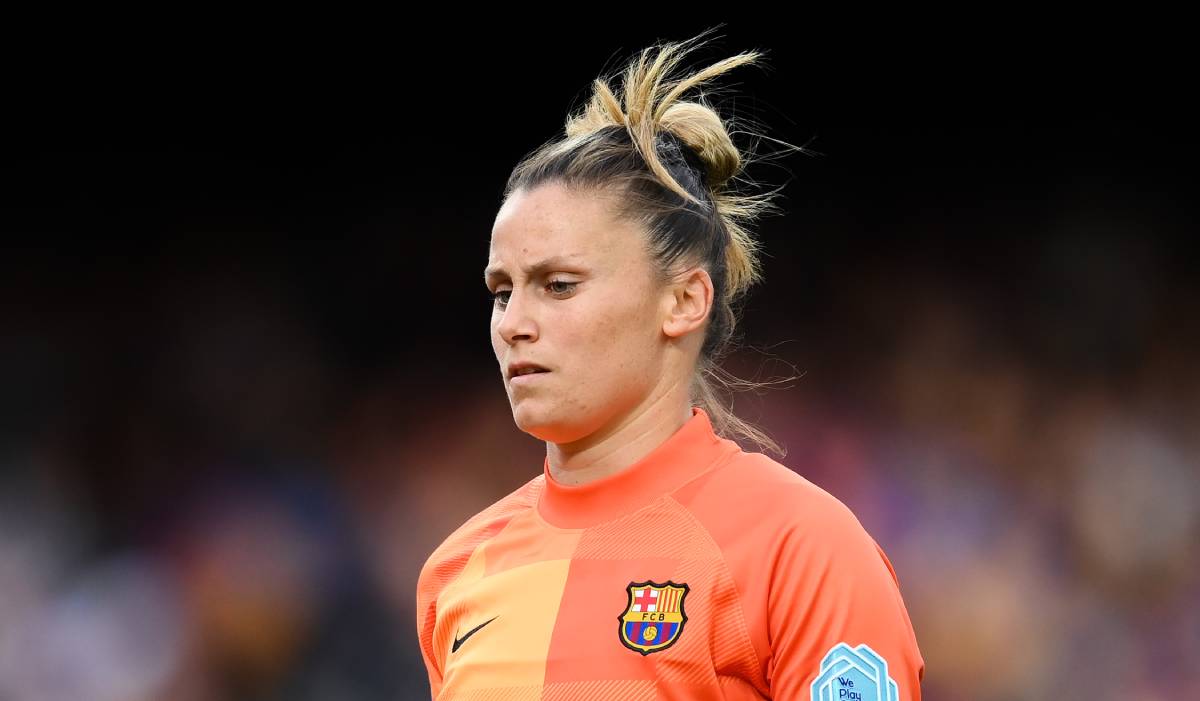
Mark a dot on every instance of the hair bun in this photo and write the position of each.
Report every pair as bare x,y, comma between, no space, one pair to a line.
701,130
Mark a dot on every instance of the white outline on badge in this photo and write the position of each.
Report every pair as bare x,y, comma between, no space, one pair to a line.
840,667
842,658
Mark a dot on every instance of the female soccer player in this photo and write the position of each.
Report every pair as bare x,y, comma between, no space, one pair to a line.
652,558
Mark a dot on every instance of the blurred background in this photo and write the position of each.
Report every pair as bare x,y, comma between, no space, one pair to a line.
246,385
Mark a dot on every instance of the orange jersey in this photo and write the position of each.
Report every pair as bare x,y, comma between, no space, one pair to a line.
700,572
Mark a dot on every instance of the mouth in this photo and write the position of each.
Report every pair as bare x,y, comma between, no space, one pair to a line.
526,374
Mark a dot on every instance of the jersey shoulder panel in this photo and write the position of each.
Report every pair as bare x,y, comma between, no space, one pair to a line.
450,558
802,562
753,491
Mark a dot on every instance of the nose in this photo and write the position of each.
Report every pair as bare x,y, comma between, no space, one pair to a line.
516,321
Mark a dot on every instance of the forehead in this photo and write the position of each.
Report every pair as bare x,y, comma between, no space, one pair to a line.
554,221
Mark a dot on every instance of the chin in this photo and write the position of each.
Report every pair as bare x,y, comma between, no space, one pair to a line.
544,424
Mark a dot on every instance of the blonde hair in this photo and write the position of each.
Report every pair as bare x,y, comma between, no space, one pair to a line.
673,166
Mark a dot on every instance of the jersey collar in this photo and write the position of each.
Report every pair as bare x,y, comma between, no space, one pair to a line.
687,453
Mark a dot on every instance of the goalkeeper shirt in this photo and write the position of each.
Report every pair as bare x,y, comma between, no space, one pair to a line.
699,572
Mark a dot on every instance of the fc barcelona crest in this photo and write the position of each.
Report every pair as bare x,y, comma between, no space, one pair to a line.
654,617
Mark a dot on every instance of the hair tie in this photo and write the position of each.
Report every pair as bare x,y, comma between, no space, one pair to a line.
689,155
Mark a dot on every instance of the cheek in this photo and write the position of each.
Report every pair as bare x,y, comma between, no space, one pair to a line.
493,325
612,342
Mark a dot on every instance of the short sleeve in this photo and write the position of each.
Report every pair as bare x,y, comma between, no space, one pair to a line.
426,615
838,627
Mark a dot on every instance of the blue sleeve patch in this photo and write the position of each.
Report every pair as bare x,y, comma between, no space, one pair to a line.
854,674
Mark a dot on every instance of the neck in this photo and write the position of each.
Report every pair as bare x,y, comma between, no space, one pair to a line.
618,445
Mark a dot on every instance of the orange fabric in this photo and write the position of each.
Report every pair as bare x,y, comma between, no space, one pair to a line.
700,572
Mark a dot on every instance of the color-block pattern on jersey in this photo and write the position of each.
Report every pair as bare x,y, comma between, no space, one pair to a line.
701,572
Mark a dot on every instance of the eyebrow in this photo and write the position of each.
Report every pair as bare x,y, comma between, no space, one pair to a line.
496,272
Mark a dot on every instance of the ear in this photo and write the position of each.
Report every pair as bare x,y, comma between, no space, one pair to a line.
688,298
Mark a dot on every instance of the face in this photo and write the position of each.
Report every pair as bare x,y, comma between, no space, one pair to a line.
573,293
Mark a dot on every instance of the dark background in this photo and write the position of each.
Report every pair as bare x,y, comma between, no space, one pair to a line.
246,384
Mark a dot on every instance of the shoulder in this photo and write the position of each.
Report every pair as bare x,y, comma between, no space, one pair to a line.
449,557
806,569
753,491
770,520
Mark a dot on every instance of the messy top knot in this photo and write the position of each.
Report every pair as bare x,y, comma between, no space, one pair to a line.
673,165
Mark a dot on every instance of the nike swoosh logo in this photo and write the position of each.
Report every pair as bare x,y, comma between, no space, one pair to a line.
459,641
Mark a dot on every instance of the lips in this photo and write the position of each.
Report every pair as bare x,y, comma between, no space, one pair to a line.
529,378
524,369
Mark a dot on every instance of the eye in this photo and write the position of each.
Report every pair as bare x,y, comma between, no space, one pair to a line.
499,298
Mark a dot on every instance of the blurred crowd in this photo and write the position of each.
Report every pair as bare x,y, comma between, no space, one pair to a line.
199,500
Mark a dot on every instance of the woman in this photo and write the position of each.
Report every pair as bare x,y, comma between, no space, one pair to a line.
653,557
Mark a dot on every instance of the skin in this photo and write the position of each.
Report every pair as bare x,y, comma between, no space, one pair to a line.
621,348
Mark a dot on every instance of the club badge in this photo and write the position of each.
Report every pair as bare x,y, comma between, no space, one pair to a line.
654,617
